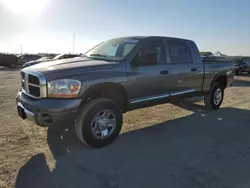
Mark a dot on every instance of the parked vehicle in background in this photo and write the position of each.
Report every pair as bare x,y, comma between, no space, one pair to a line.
46,59
206,54
26,58
8,60
65,56
242,65
116,76
210,59
247,60
43,59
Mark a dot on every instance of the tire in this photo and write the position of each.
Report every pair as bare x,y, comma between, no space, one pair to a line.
85,117
209,99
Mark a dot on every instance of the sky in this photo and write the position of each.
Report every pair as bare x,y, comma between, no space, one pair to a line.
49,25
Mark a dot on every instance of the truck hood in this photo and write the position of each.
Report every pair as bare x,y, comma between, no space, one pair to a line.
72,66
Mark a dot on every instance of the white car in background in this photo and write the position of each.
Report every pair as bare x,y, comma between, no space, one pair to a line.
46,59
43,59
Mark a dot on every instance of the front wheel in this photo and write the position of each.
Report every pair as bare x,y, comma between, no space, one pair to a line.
98,122
214,98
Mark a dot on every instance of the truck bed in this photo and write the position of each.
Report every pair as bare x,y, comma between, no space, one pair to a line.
213,68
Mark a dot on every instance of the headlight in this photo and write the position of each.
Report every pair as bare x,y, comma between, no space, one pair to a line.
64,88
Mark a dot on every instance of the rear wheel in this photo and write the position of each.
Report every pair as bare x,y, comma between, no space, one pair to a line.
98,122
214,98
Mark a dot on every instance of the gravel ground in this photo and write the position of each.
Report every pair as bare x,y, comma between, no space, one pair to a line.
171,145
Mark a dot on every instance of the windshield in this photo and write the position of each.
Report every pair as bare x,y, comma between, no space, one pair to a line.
114,49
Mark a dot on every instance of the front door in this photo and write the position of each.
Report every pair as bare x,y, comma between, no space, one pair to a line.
148,80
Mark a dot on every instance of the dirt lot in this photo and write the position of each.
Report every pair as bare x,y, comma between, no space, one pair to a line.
171,145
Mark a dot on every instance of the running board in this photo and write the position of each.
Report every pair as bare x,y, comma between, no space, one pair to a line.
155,97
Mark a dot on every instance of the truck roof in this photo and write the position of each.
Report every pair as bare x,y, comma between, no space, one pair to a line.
144,37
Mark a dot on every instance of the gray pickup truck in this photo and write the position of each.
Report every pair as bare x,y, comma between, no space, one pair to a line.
116,76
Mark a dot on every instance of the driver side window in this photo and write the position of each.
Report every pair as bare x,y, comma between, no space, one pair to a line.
152,53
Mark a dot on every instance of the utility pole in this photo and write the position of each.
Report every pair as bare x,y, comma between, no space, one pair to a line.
73,51
21,49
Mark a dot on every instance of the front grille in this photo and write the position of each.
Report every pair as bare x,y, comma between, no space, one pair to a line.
33,85
33,80
35,91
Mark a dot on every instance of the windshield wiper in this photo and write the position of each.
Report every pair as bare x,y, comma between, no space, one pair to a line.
98,55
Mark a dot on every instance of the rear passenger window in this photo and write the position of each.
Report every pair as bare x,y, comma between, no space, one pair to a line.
179,51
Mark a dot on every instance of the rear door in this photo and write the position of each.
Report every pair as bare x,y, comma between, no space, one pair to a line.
185,67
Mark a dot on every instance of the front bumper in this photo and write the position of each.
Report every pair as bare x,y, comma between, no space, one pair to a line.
46,112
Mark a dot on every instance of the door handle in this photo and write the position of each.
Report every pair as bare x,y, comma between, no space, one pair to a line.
194,69
164,72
